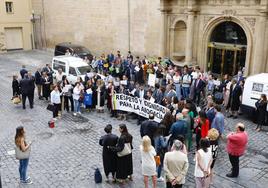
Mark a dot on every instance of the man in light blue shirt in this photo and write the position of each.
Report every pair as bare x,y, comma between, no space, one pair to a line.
218,121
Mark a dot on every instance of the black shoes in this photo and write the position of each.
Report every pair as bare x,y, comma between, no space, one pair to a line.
230,175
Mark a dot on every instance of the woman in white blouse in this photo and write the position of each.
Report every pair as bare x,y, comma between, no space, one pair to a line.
148,161
76,95
55,100
177,83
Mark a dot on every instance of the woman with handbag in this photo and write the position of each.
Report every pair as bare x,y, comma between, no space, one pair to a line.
124,165
22,153
148,161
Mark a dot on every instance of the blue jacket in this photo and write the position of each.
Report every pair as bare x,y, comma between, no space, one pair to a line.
218,122
178,128
87,99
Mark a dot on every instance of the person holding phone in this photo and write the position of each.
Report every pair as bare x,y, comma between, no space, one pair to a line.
20,142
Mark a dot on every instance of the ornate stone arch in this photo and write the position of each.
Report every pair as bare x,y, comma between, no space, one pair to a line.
211,25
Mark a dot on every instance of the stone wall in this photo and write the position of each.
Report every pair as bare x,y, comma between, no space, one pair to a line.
102,25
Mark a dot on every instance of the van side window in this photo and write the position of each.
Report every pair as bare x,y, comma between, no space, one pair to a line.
72,71
59,65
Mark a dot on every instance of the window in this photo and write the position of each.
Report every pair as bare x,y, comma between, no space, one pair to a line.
72,71
9,7
59,65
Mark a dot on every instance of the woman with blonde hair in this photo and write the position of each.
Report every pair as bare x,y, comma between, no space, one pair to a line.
213,137
21,144
148,161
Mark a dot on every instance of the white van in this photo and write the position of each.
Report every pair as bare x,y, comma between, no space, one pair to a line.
72,67
254,86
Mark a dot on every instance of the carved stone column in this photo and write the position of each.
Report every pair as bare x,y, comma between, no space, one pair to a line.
258,62
163,32
189,37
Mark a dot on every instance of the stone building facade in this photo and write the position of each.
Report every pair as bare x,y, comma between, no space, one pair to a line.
15,25
219,35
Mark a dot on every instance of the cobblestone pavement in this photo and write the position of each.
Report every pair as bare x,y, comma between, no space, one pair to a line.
66,155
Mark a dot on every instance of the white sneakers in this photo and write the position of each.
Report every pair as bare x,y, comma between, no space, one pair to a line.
161,179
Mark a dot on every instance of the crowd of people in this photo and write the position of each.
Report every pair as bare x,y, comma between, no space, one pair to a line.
195,100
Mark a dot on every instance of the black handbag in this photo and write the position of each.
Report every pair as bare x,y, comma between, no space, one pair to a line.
50,107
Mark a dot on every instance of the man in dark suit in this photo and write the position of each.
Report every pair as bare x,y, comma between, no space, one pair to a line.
38,82
27,90
23,71
199,85
149,128
49,71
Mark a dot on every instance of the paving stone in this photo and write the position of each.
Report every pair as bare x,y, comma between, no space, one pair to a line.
66,155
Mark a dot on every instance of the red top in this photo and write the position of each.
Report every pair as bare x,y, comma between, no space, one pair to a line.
236,143
204,128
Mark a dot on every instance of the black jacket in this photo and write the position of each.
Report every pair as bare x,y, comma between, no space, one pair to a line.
38,78
27,86
149,128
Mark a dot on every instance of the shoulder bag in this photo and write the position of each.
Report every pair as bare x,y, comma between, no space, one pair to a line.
22,155
125,151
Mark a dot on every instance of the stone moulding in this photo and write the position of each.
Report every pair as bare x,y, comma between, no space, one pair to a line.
252,22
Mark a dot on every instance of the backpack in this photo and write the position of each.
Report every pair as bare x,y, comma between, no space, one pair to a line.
97,176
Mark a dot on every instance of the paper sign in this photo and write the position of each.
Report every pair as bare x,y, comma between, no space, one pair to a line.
151,80
66,88
123,82
116,84
152,100
137,69
217,82
133,92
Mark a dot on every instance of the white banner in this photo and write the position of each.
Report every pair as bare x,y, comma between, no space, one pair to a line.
139,106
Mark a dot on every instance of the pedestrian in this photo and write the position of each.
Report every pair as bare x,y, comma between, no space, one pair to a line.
234,99
76,96
108,156
67,90
149,127
46,82
178,128
218,121
202,127
199,85
58,76
55,100
177,82
147,161
213,137
124,165
100,96
167,122
15,86
186,83
20,142
161,149
210,112
26,91
38,82
236,145
23,71
175,166
261,107
203,161
189,133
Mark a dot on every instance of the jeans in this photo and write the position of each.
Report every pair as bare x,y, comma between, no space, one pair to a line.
23,169
159,169
185,92
76,106
178,91
235,164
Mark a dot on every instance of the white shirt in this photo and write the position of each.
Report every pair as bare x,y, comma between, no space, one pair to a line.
205,159
55,97
59,77
186,80
76,93
176,79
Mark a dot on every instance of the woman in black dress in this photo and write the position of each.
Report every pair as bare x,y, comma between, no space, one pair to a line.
124,165
109,157
15,86
261,106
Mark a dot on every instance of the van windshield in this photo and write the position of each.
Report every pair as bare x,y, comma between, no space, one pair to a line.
83,70
81,50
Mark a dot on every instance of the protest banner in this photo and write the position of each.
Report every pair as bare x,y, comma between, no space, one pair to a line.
139,106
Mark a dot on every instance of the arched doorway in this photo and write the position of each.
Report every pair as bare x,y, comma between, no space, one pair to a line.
227,49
